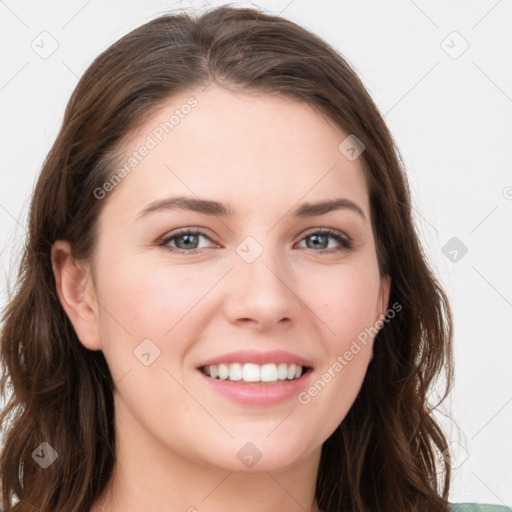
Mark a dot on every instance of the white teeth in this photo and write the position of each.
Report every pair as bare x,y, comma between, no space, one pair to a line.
269,373
290,374
251,372
235,371
223,371
282,371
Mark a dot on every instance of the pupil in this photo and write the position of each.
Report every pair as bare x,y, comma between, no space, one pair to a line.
188,242
316,237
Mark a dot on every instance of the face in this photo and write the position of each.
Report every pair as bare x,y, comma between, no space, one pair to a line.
265,276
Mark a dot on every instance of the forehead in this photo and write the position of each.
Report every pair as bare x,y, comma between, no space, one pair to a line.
241,148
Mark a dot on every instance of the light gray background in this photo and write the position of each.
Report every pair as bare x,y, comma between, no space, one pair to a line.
449,109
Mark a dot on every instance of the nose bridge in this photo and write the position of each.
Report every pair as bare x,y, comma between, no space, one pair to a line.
260,262
262,289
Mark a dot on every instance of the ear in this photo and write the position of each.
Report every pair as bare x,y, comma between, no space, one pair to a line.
77,294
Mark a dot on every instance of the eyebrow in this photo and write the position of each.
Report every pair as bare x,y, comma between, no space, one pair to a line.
210,207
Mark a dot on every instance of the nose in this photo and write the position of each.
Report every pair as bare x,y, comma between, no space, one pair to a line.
262,293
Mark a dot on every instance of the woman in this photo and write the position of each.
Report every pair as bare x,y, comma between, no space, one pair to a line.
223,303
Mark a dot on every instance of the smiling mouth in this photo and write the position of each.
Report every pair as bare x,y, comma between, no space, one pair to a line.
252,373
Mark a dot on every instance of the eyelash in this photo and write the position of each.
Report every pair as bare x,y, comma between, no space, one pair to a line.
346,243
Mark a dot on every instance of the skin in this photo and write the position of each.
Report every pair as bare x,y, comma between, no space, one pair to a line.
177,439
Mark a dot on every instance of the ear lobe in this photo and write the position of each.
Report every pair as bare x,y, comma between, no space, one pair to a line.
77,294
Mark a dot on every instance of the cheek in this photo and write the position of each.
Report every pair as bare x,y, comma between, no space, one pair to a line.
145,294
346,305
143,300
345,300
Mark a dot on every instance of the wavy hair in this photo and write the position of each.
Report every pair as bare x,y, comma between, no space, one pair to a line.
389,453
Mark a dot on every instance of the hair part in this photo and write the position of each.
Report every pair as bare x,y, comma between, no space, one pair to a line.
385,454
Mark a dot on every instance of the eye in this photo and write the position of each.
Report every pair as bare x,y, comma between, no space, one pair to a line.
186,240
320,239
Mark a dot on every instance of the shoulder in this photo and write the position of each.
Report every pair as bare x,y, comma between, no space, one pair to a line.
476,507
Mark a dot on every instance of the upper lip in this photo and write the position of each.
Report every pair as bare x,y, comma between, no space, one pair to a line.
258,357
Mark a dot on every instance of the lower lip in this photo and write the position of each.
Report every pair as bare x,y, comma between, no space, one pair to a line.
257,393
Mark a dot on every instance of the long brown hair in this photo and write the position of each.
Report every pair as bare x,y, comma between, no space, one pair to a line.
389,453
